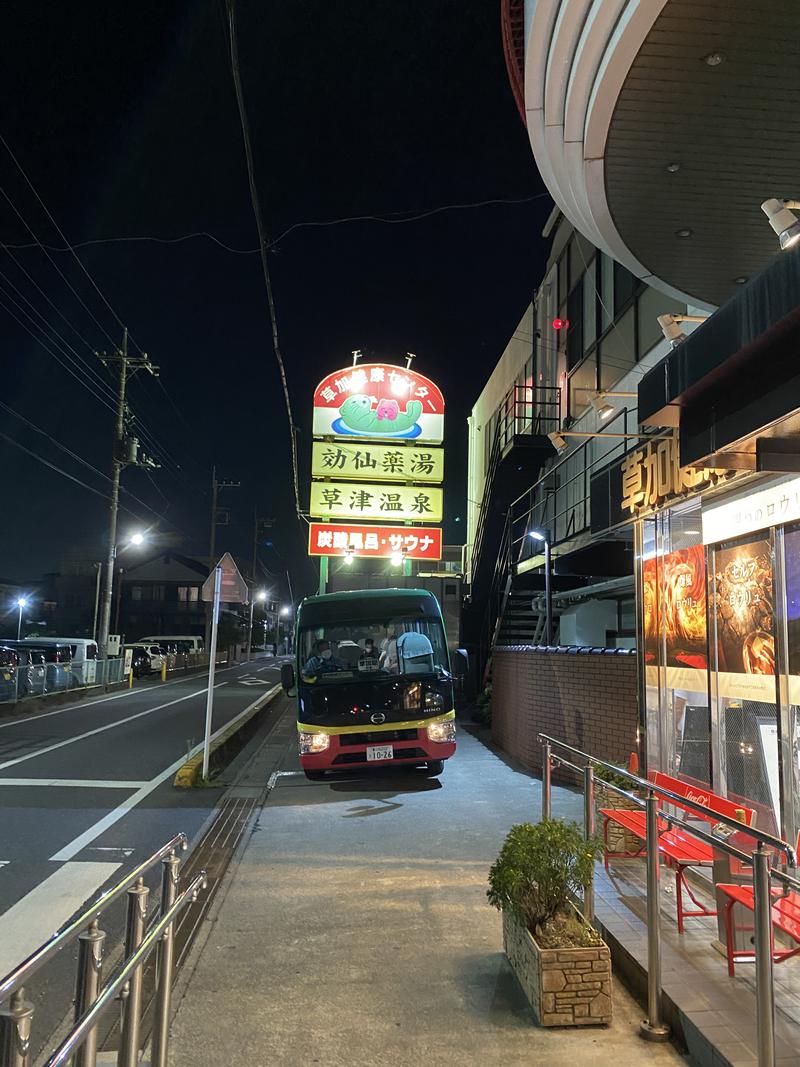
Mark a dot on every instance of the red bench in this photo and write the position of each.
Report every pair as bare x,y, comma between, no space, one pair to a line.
785,916
679,848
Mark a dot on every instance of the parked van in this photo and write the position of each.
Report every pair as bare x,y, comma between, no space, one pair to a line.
193,645
45,665
158,657
83,654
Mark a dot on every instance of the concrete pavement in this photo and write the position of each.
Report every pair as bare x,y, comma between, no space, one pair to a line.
355,930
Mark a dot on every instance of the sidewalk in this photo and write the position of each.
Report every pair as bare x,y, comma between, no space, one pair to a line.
355,930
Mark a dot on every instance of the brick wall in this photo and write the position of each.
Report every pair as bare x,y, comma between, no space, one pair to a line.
587,700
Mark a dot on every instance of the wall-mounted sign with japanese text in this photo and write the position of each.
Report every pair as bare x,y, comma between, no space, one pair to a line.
778,503
375,542
652,476
366,500
383,463
379,401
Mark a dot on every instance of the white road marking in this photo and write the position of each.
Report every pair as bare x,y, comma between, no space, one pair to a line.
116,850
4,863
102,700
71,850
73,783
102,729
37,915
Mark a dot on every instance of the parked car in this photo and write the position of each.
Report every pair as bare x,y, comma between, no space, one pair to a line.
155,652
141,663
9,661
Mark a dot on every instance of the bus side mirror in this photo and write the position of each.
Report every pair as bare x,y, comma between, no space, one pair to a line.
287,677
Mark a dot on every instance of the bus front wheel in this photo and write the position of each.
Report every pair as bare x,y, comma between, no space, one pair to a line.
315,776
435,766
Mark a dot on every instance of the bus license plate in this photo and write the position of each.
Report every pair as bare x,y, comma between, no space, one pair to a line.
379,752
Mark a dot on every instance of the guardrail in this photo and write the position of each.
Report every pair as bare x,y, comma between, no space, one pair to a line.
653,1026
92,997
38,678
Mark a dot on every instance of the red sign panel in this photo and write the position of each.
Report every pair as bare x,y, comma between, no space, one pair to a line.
379,401
374,542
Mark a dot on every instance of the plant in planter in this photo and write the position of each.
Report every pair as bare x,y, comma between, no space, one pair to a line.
618,840
561,962
483,707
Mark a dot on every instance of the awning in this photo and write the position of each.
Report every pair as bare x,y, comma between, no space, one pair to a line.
737,376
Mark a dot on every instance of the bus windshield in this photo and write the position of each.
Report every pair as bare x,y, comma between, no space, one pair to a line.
379,645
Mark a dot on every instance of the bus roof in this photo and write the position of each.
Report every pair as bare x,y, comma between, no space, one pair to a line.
364,594
361,604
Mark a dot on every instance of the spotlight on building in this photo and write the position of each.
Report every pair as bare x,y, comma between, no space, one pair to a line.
558,442
348,557
670,326
783,220
604,411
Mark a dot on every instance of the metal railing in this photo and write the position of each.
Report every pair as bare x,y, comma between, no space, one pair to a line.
91,996
38,678
653,1026
560,500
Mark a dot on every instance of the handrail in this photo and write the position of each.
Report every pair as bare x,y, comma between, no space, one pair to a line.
87,1021
19,976
750,831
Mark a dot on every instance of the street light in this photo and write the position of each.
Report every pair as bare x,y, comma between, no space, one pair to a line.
22,602
348,557
136,539
544,536
397,557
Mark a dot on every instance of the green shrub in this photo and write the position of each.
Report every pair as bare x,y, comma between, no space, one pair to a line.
539,868
602,774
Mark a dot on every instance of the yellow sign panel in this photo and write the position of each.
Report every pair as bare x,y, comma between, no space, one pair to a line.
383,463
365,500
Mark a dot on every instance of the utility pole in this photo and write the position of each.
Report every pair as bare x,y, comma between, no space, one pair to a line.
125,452
212,545
259,525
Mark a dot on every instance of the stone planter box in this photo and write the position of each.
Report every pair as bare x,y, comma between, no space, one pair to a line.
566,986
619,839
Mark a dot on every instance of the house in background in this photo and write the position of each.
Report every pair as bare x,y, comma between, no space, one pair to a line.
160,595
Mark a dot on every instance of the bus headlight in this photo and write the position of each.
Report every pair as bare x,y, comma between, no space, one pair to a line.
434,699
442,731
312,743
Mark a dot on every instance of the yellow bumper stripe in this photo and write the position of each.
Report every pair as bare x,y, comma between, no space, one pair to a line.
406,724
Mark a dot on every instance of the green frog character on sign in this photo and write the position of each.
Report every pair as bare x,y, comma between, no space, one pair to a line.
359,417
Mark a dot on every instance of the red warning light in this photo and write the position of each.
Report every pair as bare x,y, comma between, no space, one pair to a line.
560,324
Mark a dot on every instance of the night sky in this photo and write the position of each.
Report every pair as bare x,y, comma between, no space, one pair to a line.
124,119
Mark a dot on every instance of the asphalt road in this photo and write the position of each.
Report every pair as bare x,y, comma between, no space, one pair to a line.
86,792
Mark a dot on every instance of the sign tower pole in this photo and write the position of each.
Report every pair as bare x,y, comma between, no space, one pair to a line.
212,663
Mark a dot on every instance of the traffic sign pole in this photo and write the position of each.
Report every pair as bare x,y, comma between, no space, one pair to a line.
212,663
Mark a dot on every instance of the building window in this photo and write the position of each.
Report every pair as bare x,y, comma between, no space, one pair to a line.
625,286
590,306
618,350
136,592
606,292
575,349
188,594
449,589
157,593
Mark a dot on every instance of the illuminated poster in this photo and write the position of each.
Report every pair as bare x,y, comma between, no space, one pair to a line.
674,591
364,500
384,463
745,620
375,542
792,557
379,401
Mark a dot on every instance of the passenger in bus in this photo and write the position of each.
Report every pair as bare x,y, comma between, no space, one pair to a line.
322,661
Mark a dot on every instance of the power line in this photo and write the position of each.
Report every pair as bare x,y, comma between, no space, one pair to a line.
262,241
61,234
86,385
84,462
390,218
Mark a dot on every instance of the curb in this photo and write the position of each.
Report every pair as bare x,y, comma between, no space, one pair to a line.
190,773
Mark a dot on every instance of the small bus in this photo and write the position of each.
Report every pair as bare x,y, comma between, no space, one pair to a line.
373,682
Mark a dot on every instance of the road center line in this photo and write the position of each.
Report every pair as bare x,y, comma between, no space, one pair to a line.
105,700
71,850
101,729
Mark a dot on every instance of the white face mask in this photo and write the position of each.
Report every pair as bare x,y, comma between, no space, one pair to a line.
326,654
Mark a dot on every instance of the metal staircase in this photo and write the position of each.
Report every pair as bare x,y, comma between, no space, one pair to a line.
524,620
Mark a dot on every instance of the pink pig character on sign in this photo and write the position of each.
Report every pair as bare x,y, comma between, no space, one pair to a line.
387,409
